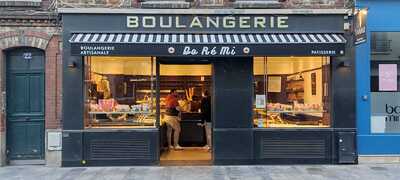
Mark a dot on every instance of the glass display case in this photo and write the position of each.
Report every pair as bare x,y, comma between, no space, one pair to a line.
291,92
120,92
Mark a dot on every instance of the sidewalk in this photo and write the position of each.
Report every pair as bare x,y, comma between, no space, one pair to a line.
297,172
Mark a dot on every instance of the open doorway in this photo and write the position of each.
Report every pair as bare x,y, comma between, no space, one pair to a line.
185,134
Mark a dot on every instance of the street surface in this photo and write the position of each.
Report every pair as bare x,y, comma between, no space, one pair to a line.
269,172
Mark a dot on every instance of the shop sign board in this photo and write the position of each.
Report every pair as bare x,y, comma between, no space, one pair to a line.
360,26
215,24
204,23
96,49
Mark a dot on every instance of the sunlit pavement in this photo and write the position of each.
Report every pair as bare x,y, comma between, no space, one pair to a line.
290,172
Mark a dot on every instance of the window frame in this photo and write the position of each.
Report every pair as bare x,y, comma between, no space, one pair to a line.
153,82
326,60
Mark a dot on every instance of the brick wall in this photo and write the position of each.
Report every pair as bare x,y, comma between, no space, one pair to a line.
53,84
97,3
47,39
288,4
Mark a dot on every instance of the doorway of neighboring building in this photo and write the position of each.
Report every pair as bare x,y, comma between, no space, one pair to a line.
25,105
192,86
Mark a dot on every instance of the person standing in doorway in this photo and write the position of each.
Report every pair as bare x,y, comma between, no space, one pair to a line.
206,117
172,119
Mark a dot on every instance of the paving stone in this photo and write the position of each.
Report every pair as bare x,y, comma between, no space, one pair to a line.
270,172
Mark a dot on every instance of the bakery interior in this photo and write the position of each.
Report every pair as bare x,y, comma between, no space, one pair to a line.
291,92
120,92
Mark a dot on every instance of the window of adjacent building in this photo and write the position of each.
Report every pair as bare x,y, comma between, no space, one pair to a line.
119,92
385,82
209,3
291,92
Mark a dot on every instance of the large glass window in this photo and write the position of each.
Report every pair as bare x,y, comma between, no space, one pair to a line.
119,92
291,92
385,82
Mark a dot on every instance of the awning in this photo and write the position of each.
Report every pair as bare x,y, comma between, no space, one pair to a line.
156,44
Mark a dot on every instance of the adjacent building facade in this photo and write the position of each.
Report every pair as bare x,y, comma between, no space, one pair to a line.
378,83
30,82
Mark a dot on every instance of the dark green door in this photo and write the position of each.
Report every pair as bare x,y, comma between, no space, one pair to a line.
25,104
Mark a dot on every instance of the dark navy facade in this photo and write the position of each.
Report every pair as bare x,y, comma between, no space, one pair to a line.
235,140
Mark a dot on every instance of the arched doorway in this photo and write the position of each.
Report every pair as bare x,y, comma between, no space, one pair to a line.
25,104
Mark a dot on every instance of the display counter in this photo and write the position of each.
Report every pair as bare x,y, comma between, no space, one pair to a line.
192,130
118,119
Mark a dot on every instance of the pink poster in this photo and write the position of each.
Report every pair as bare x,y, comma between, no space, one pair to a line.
387,77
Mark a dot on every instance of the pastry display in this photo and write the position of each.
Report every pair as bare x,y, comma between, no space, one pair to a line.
300,102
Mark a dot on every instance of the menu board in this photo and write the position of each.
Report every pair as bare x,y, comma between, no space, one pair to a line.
387,77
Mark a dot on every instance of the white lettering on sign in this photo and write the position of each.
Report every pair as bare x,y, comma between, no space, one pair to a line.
149,22
207,22
188,51
167,24
96,50
132,21
209,51
282,22
323,52
227,51
259,22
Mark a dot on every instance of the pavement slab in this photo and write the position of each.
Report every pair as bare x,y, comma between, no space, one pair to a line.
256,172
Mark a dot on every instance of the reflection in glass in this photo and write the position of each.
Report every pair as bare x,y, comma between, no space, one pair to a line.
295,89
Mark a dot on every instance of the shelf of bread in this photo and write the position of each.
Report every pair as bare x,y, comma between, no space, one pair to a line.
121,112
122,127
278,122
291,108
123,122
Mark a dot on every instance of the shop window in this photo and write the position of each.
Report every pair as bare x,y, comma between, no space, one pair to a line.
291,92
385,58
380,43
209,3
119,92
385,82
20,3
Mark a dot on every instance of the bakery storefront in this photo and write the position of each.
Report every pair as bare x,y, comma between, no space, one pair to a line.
280,84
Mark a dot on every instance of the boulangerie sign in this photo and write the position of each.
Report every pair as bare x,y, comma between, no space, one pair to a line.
387,77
